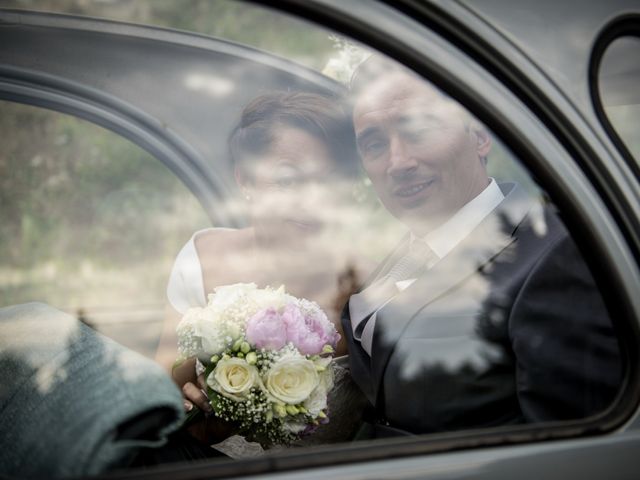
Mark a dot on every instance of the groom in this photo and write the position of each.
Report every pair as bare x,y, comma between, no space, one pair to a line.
485,314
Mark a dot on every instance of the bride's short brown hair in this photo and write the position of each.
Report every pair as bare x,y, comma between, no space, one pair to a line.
322,116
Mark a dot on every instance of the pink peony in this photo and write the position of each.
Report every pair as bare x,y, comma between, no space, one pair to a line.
309,334
266,329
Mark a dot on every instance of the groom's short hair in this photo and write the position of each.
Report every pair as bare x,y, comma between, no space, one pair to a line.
377,66
371,69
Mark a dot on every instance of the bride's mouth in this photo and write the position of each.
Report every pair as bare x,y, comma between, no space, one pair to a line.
305,225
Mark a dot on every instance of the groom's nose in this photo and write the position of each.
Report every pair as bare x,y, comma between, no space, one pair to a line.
401,162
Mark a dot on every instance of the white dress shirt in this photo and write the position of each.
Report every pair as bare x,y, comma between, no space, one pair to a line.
444,238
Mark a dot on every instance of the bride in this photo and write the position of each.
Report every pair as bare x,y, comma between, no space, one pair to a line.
294,160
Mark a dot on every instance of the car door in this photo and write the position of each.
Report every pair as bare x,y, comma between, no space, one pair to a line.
174,96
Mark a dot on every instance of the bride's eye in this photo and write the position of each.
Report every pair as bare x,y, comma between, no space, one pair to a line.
287,181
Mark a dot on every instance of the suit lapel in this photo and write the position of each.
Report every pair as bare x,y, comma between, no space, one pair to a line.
486,241
359,360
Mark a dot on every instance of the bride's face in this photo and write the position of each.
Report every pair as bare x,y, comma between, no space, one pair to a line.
292,189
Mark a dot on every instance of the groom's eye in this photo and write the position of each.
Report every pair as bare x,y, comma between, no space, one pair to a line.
373,147
419,134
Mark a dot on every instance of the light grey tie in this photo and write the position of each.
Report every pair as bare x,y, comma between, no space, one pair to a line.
364,305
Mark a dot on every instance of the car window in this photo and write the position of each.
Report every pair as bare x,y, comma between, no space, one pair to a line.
91,223
618,80
388,267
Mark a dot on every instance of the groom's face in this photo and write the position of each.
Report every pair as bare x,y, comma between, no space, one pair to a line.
420,150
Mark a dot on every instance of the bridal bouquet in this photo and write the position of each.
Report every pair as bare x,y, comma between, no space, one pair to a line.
267,358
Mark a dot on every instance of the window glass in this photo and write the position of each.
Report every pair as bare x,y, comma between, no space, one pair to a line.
398,271
90,223
619,77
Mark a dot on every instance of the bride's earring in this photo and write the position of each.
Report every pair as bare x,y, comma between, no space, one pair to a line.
248,197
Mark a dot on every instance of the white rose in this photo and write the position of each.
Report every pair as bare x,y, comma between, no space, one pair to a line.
292,379
234,378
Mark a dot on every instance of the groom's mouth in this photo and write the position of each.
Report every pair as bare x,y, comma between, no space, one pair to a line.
413,191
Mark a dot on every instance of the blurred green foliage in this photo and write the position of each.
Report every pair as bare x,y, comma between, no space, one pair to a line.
80,201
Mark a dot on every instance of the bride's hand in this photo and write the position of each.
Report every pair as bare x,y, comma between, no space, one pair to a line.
195,395
209,429
193,388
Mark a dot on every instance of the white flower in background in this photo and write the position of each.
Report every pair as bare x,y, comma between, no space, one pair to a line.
234,378
347,58
291,379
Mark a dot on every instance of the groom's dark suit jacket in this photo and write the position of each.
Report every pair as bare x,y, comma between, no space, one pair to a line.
507,328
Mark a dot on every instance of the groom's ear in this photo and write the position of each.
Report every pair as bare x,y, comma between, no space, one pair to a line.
483,139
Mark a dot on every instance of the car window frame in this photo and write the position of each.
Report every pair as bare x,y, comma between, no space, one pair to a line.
364,28
619,27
